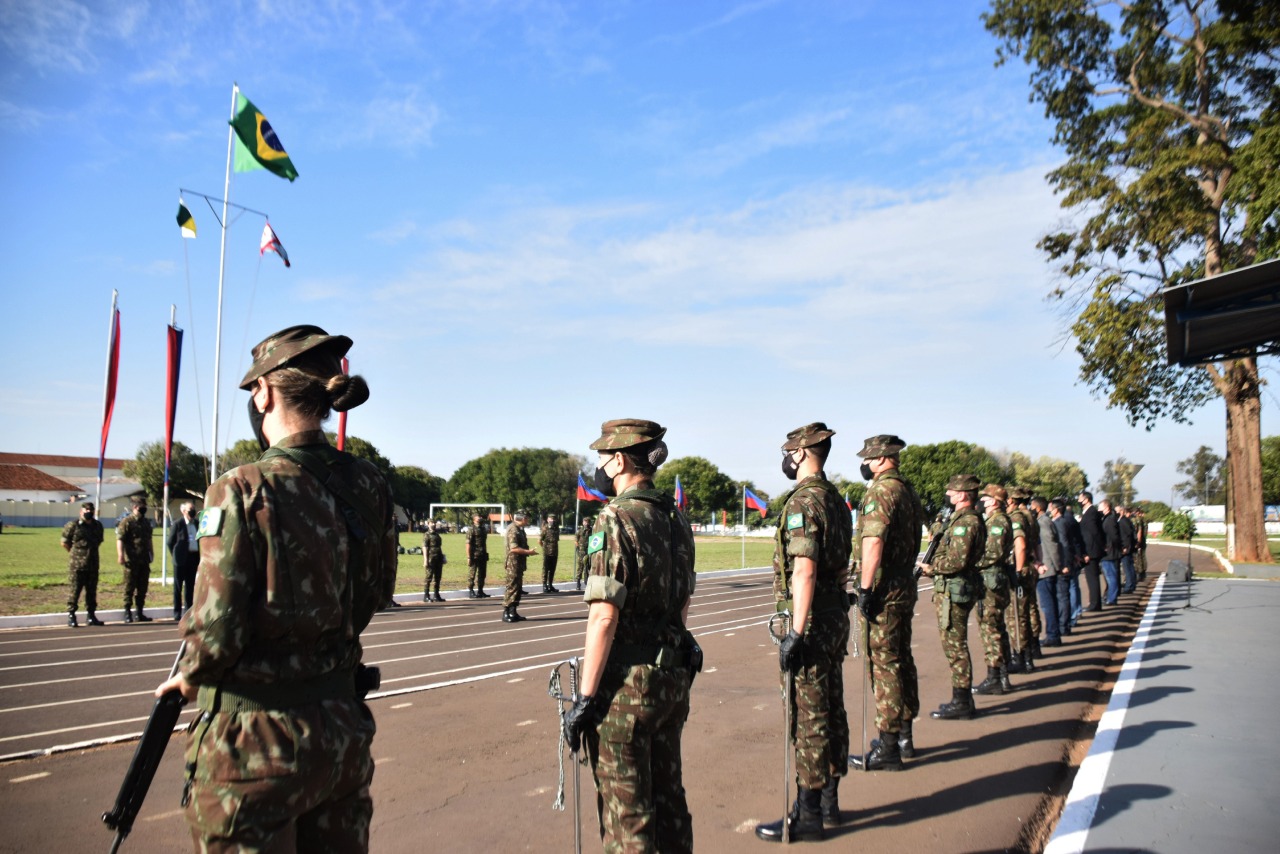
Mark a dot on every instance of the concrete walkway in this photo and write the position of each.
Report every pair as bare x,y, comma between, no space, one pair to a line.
1186,757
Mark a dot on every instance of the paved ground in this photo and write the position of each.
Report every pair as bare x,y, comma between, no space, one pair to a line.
466,748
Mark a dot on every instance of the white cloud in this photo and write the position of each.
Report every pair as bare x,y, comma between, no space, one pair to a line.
402,120
48,34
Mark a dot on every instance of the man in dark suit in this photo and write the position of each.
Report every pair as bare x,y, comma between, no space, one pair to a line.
186,557
1068,590
1091,534
1111,548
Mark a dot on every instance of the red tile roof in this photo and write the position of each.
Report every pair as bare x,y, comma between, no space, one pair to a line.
58,460
28,478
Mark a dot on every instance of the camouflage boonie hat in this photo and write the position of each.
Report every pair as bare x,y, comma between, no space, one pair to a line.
964,482
807,436
551,517
996,491
521,514
624,433
278,350
884,445
138,501
1019,493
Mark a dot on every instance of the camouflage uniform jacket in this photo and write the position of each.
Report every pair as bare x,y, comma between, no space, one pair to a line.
284,587
550,540
478,542
999,548
891,511
962,545
1024,527
516,539
584,534
815,524
134,534
433,549
640,558
84,539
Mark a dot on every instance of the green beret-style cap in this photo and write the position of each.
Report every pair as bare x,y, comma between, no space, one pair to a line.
278,350
806,436
964,482
624,433
884,445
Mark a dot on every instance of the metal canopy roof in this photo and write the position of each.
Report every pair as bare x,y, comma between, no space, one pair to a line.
1231,315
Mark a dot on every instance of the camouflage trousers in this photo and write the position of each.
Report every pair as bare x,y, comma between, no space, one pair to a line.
435,569
1020,601
953,626
580,571
86,580
549,567
1033,606
991,624
893,668
635,759
295,780
819,722
476,573
137,577
515,584
1140,562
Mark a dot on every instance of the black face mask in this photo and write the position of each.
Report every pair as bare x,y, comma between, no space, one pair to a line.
947,502
604,483
255,422
865,471
790,468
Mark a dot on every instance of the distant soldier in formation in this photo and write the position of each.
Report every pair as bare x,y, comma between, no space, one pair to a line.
1140,543
518,554
1026,542
134,551
810,581
993,567
956,590
477,557
550,541
82,537
433,562
886,547
580,569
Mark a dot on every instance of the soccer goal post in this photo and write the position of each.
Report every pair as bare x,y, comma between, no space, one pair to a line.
502,511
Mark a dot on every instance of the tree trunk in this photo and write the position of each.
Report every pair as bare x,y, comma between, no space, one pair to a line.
1240,391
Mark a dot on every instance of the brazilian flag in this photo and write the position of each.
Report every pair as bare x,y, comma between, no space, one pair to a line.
259,146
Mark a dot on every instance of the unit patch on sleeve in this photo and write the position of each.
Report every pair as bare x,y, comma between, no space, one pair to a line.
795,520
596,543
210,523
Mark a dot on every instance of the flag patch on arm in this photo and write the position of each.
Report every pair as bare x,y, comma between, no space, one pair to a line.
210,523
795,520
596,543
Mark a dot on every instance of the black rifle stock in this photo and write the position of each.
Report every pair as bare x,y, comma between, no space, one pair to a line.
146,759
934,543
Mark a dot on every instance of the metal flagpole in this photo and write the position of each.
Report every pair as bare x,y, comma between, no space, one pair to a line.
744,526
222,270
106,381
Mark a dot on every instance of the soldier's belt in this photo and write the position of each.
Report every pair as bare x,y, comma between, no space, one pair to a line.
822,602
633,655
276,696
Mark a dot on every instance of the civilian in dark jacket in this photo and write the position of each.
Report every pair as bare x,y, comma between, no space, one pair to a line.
1110,552
1068,585
186,557
1049,572
1091,555
1128,545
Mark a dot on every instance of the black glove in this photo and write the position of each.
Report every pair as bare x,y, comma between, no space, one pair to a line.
584,716
867,603
791,652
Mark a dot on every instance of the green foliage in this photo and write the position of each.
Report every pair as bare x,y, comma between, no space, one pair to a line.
365,450
1046,477
1271,470
1178,526
416,489
187,470
540,480
244,451
1155,511
929,467
1205,483
708,489
1117,481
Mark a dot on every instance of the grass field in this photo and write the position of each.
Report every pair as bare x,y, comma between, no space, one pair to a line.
33,568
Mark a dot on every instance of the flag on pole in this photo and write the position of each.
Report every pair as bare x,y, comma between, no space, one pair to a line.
682,502
259,146
186,221
171,399
270,241
113,368
754,502
586,493
847,502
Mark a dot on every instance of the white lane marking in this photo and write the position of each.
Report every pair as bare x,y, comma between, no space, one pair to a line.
1082,801
164,815
30,777
83,744
517,679
101,647
74,702
402,705
164,670
167,653
526,723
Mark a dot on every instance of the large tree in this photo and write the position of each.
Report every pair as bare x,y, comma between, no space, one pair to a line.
1204,477
1046,477
241,452
1271,470
540,480
416,489
707,489
188,470
929,467
1117,480
1167,111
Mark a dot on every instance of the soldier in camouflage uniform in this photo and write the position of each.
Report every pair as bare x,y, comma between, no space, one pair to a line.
296,554
432,562
550,540
134,551
584,534
810,581
477,558
886,547
82,537
639,660
994,570
956,588
1026,545
518,554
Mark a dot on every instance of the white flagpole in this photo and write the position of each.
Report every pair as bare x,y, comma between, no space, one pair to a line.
222,270
744,526
106,381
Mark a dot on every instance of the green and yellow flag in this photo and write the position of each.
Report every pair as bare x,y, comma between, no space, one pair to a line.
259,146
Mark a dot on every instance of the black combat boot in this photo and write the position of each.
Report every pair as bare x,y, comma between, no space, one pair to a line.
93,620
1004,680
959,709
906,742
1028,661
471,593
426,596
804,822
551,588
885,755
831,803
436,597
1015,662
71,621
506,614
515,615
142,618
128,615
1035,647
990,685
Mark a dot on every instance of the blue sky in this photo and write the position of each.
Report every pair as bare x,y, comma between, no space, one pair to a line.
733,218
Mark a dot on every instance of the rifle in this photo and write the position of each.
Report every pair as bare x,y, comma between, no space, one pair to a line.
146,759
934,543
556,690
779,626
